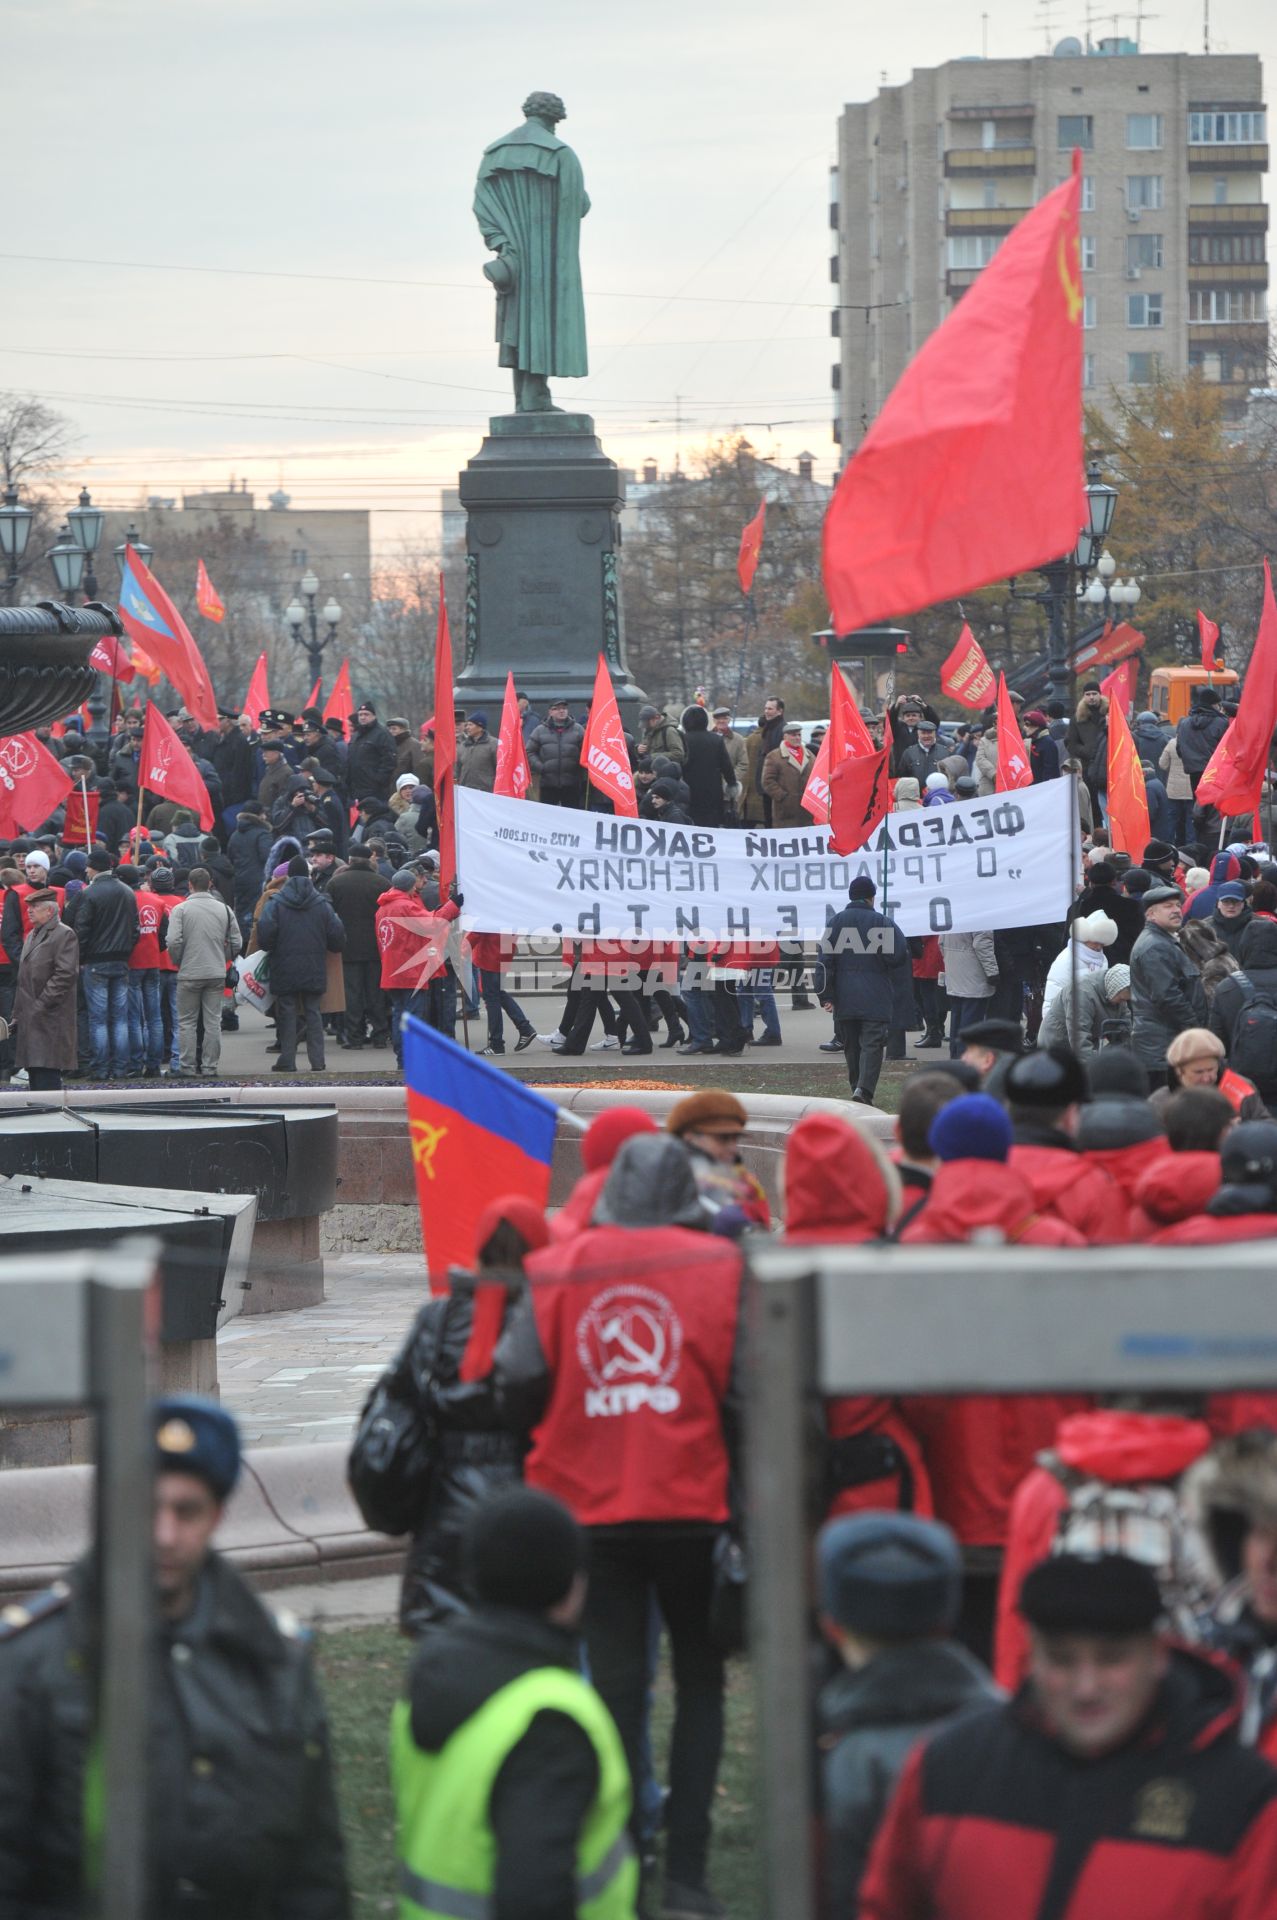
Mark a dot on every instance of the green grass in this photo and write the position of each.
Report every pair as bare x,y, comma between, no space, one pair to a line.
362,1669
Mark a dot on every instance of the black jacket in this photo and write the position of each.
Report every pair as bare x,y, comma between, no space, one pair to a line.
546,1785
114,822
554,754
299,929
1197,736
248,846
706,767
236,762
354,893
243,1820
1166,995
861,956
223,874
104,920
476,1454
370,762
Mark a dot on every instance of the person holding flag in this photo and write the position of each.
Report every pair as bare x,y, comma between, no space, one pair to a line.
412,939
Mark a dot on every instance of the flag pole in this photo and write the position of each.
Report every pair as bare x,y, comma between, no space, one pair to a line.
137,831
84,792
1075,984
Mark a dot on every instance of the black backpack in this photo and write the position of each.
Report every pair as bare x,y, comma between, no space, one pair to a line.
1252,1045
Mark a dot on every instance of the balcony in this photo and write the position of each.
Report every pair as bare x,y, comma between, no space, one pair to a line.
964,162
958,279
990,113
1216,157
1248,334
983,219
1240,273
1249,218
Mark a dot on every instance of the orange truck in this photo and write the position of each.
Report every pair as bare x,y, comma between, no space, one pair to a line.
1170,689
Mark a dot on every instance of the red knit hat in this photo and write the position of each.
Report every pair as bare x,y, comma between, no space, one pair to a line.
524,1215
609,1131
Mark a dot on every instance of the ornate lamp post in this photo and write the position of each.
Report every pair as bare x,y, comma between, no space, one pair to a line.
132,539
15,531
1060,575
85,522
304,623
1107,595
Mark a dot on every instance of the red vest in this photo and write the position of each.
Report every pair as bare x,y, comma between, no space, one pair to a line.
638,1326
167,903
411,940
146,948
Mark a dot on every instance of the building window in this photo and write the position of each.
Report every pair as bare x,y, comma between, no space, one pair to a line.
833,215
299,557
990,193
1142,368
1227,306
1144,130
835,376
1088,369
1225,249
835,322
972,249
1220,191
833,268
988,135
1143,249
1074,130
1143,309
837,433
1088,310
1143,192
1088,252
1226,129
1088,193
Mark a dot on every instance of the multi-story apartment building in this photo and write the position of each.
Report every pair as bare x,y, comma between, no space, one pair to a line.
932,175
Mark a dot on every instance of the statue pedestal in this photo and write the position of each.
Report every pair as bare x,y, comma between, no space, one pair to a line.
543,596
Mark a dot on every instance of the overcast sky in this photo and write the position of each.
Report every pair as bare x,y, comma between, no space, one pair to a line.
317,159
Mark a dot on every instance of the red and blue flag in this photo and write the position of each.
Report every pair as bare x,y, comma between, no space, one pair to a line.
476,1133
154,623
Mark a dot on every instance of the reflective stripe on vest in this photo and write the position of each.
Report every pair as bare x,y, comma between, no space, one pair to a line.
446,1846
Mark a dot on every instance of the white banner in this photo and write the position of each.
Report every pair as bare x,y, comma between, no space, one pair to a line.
1005,861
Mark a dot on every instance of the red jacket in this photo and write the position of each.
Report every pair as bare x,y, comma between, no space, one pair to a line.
491,951
1119,1448
992,1820
1126,1167
411,938
1067,1188
1171,1189
835,1191
577,1211
637,1327
979,1447
146,948
167,903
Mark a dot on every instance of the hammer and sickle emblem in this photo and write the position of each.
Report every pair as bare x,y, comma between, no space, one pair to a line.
1068,255
425,1143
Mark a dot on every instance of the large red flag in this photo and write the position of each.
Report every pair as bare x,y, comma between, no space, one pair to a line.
1210,640
1120,688
445,748
1234,775
155,625
845,736
257,699
108,656
1127,794
33,782
1014,769
859,797
207,598
341,701
751,546
973,470
966,675
603,751
514,776
165,767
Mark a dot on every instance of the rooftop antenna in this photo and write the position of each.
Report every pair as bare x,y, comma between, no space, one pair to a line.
984,35
1046,10
1205,26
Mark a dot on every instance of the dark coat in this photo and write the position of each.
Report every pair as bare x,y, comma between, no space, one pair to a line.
44,1003
1166,995
299,929
249,843
1127,915
243,1818
370,762
554,755
476,1455
1197,736
477,762
236,763
105,920
707,767
857,973
354,893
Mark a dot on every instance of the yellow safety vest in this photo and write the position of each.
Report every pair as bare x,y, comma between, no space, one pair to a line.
446,1846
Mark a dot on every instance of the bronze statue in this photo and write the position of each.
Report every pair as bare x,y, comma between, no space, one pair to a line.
530,200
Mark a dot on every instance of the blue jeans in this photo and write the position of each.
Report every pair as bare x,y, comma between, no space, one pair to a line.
745,998
146,1023
106,999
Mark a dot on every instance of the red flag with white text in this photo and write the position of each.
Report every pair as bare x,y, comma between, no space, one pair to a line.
603,752
514,776
966,675
1014,769
164,767
207,598
108,656
33,782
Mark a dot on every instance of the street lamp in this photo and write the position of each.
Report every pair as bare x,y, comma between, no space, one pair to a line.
1107,594
1061,576
132,539
15,531
67,559
85,522
304,622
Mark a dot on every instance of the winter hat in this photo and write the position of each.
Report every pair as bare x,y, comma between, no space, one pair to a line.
297,868
1248,1155
1108,1593
404,881
645,713
1035,718
365,706
1233,1489
1115,1072
972,1127
1231,890
1147,718
651,1184
861,888
1207,696
478,719
1136,882
699,1109
406,780
609,1131
1096,928
280,872
75,862
1194,1043
99,861
522,1549
1157,854
966,784
908,792
359,852
890,1576
1196,878
1116,980
1049,1078
1101,872
937,783
36,858
524,1215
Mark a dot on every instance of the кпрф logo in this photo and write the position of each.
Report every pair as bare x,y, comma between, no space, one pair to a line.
629,1342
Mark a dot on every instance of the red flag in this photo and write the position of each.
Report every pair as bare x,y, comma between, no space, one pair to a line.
109,657
1013,754
966,675
751,546
207,598
514,776
341,701
1120,688
603,751
1210,640
859,797
33,782
81,818
165,767
445,748
315,692
1234,775
973,470
154,624
845,736
1127,794
257,699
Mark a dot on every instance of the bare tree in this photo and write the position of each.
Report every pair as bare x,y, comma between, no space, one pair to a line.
34,444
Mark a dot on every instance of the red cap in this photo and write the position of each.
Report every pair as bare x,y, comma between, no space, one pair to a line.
608,1133
524,1215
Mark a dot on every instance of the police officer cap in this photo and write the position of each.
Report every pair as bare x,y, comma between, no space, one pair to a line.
1004,1035
1103,1593
276,717
1051,1077
1154,896
196,1436
890,1576
523,1550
